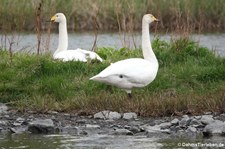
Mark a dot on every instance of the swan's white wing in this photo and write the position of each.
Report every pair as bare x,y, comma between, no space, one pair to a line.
70,55
128,73
90,54
76,55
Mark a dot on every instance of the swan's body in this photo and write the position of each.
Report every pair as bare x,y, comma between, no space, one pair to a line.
133,72
68,55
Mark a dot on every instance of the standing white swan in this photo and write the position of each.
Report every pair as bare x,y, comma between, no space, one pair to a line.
133,72
68,55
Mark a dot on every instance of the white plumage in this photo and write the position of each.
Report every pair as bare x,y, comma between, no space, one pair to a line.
133,72
62,52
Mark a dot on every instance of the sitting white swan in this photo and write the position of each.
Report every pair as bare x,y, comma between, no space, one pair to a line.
68,55
133,72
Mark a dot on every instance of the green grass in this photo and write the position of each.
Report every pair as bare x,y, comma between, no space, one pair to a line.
207,15
190,80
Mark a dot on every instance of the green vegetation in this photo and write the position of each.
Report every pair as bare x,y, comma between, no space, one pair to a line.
198,15
190,80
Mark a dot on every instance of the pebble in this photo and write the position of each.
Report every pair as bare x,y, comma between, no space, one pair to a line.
129,116
122,132
175,121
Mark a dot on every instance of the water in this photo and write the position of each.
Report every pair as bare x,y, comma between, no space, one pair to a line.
98,141
28,42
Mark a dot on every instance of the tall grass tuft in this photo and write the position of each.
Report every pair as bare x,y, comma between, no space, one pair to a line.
125,15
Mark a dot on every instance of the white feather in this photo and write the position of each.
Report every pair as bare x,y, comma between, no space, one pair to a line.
133,72
62,52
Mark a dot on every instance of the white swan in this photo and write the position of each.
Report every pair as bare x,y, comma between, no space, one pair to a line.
133,72
67,55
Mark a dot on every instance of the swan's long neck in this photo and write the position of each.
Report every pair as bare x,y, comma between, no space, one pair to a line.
63,37
146,43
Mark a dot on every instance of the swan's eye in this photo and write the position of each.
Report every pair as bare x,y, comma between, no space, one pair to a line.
57,16
121,76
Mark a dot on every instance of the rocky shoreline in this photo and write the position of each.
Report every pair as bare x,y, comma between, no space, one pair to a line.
110,123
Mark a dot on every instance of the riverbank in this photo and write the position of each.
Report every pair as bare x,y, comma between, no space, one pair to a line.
100,129
180,16
190,81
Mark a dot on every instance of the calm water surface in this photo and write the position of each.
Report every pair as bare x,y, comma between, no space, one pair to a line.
30,141
28,42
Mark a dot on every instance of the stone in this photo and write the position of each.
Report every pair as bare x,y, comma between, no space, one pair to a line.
167,131
195,123
197,117
107,115
184,122
165,125
207,113
122,132
152,129
114,115
135,129
191,129
3,108
4,122
215,127
83,132
70,130
20,119
174,128
175,121
18,129
206,119
92,126
130,115
44,126
52,112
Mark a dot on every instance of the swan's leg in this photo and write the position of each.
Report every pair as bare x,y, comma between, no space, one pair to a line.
129,94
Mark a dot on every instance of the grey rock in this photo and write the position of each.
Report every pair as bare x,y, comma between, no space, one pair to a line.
83,132
52,112
175,128
41,126
195,123
92,126
4,123
81,121
135,129
18,129
215,127
175,121
122,132
107,115
70,130
197,117
20,119
207,113
3,108
184,121
165,125
206,119
114,115
130,115
17,124
152,129
167,131
191,129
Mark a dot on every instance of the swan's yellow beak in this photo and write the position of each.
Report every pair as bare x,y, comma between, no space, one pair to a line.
154,19
53,18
